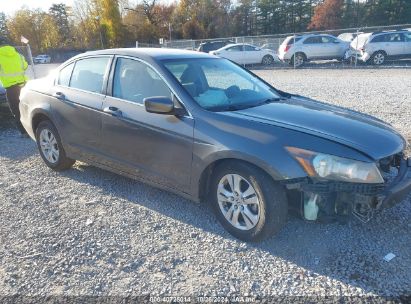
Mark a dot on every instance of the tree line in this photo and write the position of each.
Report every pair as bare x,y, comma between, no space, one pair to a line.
92,24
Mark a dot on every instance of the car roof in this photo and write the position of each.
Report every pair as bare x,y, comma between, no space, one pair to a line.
303,36
390,32
148,53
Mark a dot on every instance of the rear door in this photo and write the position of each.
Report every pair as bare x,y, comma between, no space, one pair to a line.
152,146
78,97
251,54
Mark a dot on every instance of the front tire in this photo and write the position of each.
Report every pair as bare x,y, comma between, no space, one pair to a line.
247,202
50,147
298,60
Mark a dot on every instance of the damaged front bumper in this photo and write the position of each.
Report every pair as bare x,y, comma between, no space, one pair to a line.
398,189
333,199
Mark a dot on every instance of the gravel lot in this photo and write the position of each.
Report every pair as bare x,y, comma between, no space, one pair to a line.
89,232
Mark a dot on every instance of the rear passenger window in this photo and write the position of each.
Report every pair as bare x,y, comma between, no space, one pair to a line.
134,81
397,37
88,74
65,74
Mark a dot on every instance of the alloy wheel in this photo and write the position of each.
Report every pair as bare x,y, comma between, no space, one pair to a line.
267,60
298,60
49,146
238,202
379,59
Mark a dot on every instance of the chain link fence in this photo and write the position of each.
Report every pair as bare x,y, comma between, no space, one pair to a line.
273,43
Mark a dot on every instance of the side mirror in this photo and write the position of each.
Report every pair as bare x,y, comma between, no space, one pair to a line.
336,41
159,105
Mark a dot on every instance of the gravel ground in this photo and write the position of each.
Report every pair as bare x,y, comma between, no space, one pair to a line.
90,232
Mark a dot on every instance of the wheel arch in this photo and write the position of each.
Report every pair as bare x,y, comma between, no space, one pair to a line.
39,116
302,53
380,51
206,174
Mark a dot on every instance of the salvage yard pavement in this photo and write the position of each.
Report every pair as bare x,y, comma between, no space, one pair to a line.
88,232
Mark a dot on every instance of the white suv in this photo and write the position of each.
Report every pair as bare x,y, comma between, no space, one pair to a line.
377,47
312,47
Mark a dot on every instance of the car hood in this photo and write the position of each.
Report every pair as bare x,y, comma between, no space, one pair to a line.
362,132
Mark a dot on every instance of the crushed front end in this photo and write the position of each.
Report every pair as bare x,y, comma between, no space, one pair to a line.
329,200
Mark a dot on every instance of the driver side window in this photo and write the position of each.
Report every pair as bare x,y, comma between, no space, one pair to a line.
134,81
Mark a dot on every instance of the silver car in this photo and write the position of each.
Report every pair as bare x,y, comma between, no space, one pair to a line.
375,48
298,49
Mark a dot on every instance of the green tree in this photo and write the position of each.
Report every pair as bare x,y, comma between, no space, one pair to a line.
4,31
111,22
60,16
35,25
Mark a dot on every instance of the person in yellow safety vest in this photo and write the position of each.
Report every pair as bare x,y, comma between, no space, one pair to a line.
13,78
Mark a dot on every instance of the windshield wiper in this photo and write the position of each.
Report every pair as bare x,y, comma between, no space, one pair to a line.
270,100
236,107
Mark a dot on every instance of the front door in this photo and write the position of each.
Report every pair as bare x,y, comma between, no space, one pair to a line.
312,47
234,53
251,54
407,45
152,146
331,47
395,44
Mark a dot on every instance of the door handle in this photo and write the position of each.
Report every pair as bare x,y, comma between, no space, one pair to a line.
113,111
59,95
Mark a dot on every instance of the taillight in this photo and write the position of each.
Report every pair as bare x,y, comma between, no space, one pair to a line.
287,47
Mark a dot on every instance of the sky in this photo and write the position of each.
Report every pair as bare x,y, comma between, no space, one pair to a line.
10,6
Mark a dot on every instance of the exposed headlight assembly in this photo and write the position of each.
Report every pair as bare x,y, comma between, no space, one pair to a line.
336,168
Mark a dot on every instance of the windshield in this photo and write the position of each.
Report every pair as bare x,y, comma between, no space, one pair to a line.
220,85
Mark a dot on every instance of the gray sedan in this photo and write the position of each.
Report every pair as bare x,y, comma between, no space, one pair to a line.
207,129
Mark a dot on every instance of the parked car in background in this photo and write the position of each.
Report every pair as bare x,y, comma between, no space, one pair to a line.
375,48
270,46
299,49
209,46
243,53
348,37
42,59
2,94
214,132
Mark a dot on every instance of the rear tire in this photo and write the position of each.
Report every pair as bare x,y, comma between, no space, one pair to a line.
247,202
50,147
378,58
267,60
